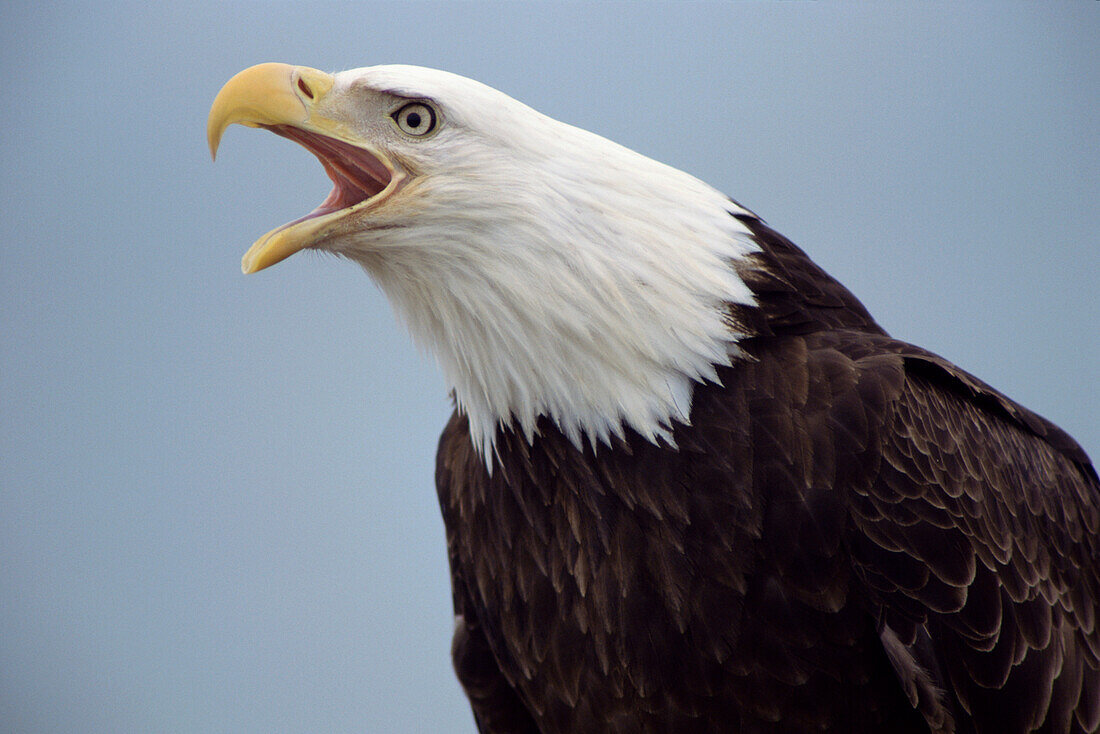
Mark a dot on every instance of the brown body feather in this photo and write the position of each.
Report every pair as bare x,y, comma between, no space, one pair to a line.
852,535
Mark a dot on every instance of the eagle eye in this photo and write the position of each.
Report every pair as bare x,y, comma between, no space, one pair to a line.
415,118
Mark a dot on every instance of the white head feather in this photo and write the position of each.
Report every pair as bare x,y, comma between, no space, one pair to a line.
551,271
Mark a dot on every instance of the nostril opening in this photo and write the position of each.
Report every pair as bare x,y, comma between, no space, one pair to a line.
305,88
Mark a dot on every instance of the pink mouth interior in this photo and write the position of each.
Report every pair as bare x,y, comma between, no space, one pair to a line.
356,174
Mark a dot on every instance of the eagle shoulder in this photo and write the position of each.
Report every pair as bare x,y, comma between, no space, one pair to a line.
977,534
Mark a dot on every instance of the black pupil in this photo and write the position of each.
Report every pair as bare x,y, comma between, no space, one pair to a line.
413,119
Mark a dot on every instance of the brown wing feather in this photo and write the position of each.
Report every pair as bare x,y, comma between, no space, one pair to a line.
980,532
974,522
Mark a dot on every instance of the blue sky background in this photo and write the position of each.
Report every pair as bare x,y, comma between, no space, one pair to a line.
216,502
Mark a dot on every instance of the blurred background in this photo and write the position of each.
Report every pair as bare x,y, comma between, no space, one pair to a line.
217,511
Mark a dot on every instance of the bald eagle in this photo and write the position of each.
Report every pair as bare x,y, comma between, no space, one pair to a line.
690,485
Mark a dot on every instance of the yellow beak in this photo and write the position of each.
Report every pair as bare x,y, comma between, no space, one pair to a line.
274,94
266,94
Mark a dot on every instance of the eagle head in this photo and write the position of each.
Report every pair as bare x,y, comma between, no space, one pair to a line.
551,272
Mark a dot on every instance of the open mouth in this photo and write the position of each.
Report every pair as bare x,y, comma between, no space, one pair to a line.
357,175
361,178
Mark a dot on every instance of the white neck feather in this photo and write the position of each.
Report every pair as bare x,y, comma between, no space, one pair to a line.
591,287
